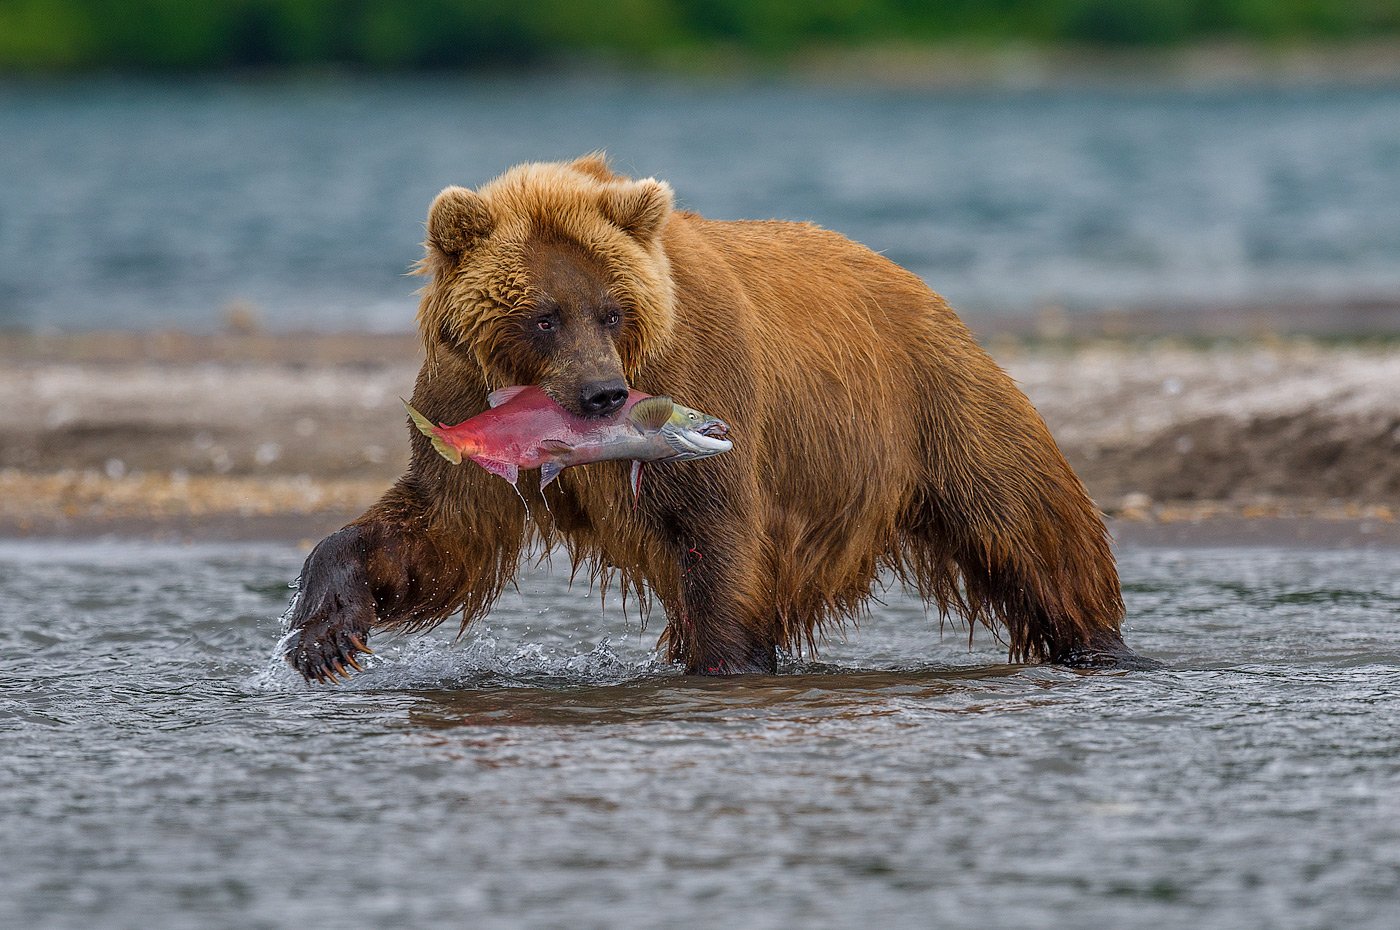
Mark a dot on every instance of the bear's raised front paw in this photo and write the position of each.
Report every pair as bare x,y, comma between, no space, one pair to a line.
325,654
333,611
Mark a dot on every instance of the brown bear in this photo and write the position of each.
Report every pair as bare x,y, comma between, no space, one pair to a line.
872,434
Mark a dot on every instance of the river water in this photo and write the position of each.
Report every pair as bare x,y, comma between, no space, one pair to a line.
160,771
152,204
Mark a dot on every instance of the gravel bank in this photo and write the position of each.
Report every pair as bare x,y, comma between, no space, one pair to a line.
166,429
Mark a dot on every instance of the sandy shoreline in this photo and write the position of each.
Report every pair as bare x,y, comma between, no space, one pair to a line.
1183,441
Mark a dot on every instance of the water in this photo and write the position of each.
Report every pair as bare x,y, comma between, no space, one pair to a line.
160,772
126,203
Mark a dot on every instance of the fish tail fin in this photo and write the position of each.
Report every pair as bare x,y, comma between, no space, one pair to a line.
434,433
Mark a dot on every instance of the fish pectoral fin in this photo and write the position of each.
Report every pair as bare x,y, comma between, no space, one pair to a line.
501,395
652,413
548,472
636,480
507,470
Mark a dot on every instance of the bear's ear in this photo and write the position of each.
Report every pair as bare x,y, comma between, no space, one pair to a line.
595,165
457,218
640,208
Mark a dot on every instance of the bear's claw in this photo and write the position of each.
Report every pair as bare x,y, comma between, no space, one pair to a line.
328,658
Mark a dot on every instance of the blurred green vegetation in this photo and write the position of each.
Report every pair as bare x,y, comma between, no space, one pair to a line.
57,35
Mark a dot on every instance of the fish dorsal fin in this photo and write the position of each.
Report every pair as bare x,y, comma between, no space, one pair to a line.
548,472
500,396
652,413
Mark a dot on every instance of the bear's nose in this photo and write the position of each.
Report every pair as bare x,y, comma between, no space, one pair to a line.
601,398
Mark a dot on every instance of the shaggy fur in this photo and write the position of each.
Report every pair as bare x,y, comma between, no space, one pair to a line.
871,434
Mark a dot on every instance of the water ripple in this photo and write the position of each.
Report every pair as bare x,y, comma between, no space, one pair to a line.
164,767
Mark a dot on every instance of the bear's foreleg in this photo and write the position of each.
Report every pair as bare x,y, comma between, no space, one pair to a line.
720,624
334,608
390,568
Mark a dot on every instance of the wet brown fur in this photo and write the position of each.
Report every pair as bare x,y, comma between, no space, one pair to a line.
871,433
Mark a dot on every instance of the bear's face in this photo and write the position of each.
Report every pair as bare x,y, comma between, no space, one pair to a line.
551,275
572,329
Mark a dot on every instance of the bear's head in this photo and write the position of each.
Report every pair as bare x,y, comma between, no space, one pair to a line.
552,274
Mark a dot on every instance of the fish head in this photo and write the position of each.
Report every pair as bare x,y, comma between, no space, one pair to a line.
694,434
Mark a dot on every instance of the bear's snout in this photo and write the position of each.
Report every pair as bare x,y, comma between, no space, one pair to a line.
602,398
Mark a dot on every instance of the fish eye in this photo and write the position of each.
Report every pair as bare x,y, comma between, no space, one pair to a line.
692,416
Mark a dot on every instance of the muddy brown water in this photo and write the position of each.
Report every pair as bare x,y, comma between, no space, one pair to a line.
160,770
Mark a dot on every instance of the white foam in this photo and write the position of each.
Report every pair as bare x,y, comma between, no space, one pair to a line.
435,661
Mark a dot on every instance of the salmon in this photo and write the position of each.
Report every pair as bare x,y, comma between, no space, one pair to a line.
524,429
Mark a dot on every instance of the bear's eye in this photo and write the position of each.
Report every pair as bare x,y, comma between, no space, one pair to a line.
612,318
544,324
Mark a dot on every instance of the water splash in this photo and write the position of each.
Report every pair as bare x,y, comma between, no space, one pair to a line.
487,660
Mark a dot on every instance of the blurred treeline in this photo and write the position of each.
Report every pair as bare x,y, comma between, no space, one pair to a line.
61,35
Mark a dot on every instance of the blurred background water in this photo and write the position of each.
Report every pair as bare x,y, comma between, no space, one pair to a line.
159,203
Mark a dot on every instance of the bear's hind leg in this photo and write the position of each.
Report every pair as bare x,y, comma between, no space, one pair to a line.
1105,650
999,526
1041,567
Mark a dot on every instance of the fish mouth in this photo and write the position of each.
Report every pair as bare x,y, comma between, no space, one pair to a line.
701,442
715,429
